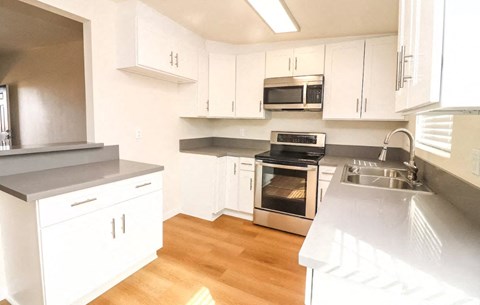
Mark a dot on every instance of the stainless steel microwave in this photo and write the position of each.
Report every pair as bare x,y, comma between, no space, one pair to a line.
293,93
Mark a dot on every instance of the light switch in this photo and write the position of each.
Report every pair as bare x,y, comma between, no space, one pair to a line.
476,161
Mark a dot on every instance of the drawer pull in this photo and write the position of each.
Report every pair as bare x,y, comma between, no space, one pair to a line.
123,224
114,235
142,185
83,202
250,164
327,173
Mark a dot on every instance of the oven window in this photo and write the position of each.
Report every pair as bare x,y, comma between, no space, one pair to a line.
284,95
284,190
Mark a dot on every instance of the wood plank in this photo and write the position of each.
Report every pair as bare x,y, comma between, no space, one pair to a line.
226,262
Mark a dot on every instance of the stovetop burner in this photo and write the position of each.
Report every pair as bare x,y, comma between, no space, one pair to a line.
296,148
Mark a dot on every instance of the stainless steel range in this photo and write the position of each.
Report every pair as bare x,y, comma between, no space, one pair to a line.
286,181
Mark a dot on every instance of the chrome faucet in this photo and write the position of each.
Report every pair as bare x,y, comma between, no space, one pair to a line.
411,166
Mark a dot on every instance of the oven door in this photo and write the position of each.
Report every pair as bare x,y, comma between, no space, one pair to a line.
286,189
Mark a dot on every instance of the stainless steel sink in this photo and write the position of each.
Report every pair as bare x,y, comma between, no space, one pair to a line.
380,177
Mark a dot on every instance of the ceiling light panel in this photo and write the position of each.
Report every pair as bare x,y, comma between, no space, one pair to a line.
276,15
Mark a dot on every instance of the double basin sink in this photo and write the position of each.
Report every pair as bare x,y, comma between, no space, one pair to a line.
380,177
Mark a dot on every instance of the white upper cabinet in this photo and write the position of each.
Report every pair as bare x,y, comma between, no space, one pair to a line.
149,44
360,80
295,62
343,80
438,60
249,85
379,79
221,85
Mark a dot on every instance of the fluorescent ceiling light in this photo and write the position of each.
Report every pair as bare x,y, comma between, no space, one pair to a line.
276,15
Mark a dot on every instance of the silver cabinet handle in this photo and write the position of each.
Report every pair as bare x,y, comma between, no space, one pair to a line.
143,185
289,63
83,202
171,58
235,168
251,183
113,228
233,106
295,64
176,60
321,194
124,229
243,163
358,101
208,105
397,76
260,106
366,104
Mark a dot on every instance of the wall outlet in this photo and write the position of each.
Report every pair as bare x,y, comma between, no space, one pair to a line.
138,134
476,161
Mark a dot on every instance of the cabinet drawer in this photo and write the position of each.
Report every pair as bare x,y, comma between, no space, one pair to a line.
326,172
247,164
66,206
138,186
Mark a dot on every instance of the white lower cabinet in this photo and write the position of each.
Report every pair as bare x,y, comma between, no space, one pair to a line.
325,174
218,185
81,243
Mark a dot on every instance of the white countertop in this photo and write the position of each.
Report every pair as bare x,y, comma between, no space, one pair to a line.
398,241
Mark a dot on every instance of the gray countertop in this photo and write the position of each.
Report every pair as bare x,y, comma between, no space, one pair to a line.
401,242
46,183
220,151
35,149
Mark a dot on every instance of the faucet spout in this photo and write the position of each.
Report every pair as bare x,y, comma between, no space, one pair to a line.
412,168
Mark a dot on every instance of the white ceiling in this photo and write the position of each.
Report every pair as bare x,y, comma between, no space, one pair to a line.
23,26
234,21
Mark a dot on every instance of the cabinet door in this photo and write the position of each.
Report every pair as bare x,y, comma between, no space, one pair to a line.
186,61
220,185
426,55
232,173
77,256
309,60
322,189
379,79
246,192
139,224
197,187
202,84
154,49
221,85
279,63
404,45
249,89
343,80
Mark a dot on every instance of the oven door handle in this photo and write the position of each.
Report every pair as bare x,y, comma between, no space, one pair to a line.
300,168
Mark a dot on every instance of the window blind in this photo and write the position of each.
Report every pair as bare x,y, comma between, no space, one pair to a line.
435,131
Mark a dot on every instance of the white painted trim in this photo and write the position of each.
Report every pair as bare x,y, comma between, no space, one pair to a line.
238,214
169,214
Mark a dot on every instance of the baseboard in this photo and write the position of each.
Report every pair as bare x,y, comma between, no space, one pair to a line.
171,214
238,214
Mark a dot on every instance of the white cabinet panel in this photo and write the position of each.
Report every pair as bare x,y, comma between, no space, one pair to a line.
220,185
279,63
379,79
343,80
309,60
360,80
249,85
151,38
77,256
221,85
322,189
232,174
246,191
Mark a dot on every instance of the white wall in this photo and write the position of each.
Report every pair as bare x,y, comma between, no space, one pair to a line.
338,132
465,137
121,102
47,94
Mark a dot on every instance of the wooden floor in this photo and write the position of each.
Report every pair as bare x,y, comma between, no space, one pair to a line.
229,261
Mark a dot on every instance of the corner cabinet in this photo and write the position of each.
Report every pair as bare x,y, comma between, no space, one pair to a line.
148,44
221,85
88,241
360,80
250,74
438,62
295,62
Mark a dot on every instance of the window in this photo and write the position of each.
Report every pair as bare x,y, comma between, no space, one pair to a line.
434,133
